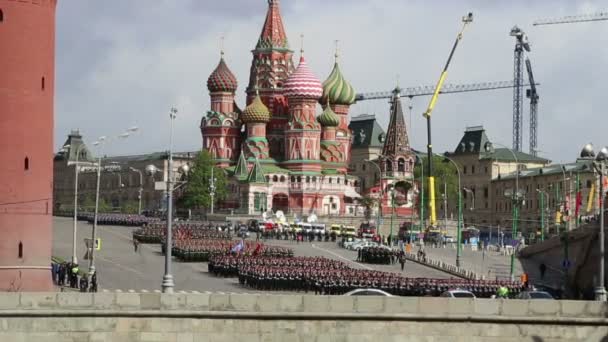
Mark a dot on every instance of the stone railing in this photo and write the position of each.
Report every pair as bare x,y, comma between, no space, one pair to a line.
189,317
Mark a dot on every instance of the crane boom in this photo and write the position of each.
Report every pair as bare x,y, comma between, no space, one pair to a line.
533,96
573,19
447,88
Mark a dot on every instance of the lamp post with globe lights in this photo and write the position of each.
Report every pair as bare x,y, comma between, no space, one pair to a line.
517,199
599,163
101,142
168,283
141,187
66,148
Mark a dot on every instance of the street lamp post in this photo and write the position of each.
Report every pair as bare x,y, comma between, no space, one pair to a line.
459,226
381,192
472,197
141,187
600,165
212,189
516,198
542,213
101,143
75,229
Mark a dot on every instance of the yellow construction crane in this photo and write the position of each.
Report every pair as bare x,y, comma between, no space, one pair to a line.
427,114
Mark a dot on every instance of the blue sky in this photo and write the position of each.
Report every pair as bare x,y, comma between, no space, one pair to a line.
127,62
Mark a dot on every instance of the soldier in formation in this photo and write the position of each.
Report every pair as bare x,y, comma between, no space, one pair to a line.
378,255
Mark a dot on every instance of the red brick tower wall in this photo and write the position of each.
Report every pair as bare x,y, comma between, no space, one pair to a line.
27,78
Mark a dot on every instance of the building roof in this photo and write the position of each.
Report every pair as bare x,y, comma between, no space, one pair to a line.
336,89
476,142
303,83
222,79
554,169
273,33
76,146
366,131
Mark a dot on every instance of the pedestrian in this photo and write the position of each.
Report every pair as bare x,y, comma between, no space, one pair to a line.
359,254
402,261
84,284
94,282
74,276
136,245
543,270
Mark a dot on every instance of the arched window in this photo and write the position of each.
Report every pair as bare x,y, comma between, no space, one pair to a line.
293,179
282,179
330,180
26,163
389,165
401,165
42,83
314,179
299,179
1,16
275,178
307,179
20,250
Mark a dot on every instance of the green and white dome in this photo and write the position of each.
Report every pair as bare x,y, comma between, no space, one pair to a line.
328,118
337,90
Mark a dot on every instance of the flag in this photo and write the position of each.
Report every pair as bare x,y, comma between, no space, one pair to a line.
238,247
591,199
257,249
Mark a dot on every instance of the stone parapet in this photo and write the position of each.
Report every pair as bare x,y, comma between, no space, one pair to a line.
190,317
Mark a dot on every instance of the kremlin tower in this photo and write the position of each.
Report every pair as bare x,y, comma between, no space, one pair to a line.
27,63
289,158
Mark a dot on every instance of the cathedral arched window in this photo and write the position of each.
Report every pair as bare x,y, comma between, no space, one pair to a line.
401,165
389,165
307,179
293,179
275,178
282,179
299,179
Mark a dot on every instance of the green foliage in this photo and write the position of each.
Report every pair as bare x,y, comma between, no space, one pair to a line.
104,207
444,171
197,192
369,203
130,207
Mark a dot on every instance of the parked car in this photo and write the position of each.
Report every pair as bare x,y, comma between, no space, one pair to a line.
534,294
458,294
243,232
368,292
449,239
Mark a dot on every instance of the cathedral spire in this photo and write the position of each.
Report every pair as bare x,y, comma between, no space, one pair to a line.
397,142
273,33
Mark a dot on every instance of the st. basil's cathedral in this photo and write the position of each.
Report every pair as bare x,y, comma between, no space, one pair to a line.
278,153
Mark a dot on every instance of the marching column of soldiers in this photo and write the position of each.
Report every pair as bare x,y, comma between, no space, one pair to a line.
204,250
330,277
130,220
377,255
155,232
297,236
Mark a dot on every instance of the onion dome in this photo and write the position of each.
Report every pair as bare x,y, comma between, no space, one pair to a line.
256,112
328,118
337,90
222,79
588,152
303,83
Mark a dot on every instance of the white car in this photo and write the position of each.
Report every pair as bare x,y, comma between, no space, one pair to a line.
458,294
368,292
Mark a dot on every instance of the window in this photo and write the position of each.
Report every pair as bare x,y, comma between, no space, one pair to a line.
1,16
20,250
275,179
363,166
42,83
26,163
330,180
464,169
338,180
485,192
486,170
282,179
472,169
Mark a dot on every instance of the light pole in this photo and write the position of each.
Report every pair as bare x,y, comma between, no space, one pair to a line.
600,166
212,188
75,229
542,212
101,143
459,226
381,191
419,160
472,196
516,198
141,187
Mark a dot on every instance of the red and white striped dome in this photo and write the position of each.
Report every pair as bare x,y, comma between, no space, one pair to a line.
303,83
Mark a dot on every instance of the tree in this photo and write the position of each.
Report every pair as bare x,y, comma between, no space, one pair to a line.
197,192
369,203
443,170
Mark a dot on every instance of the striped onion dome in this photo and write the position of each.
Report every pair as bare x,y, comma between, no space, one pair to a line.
328,118
337,90
303,83
222,79
256,112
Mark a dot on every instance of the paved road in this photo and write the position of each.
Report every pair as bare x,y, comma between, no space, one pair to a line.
119,267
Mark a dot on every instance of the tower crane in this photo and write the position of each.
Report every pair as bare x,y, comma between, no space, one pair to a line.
447,88
521,44
573,19
533,96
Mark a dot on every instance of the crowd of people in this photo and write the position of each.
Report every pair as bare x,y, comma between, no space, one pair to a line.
203,250
155,232
229,265
130,220
378,255
68,274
